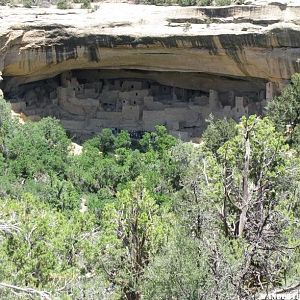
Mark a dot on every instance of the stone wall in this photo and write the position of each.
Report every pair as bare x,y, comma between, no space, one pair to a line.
133,104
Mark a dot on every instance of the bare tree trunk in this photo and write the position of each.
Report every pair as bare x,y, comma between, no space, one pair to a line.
246,171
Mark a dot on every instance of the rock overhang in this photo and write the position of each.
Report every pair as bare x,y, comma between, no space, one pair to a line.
238,41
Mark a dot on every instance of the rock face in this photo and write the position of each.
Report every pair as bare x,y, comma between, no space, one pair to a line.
235,41
235,49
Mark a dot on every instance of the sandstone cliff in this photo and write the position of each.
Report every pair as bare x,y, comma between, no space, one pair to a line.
208,45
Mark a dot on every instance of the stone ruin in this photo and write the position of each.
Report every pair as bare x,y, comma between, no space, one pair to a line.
85,104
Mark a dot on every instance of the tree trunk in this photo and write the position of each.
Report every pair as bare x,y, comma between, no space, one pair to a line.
246,171
131,294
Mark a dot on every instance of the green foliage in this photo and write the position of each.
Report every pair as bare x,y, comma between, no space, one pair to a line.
178,2
204,2
284,110
44,249
159,140
63,4
59,193
133,230
179,271
106,141
149,219
38,148
190,2
86,4
92,172
122,140
28,3
218,132
265,142
254,176
8,126
222,2
260,173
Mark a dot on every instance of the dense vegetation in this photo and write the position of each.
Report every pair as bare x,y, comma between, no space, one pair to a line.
154,218
86,4
191,2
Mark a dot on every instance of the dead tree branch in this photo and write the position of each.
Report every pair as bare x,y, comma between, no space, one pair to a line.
29,291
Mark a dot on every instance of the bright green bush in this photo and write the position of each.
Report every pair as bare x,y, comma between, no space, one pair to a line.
38,148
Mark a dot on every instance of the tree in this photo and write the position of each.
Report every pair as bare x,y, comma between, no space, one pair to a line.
8,126
86,4
218,132
241,199
254,162
159,140
42,249
179,270
284,110
133,230
63,4
38,148
257,176
106,140
197,261
122,140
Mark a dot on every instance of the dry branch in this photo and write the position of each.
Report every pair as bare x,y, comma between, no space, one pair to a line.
8,228
28,291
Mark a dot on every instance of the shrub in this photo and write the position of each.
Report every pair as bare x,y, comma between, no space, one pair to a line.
284,110
38,148
222,2
47,240
86,4
218,132
63,4
28,3
204,2
106,140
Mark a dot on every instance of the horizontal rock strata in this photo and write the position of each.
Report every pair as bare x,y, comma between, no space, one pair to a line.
233,42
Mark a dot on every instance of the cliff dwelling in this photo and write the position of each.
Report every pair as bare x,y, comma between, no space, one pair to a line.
88,100
134,70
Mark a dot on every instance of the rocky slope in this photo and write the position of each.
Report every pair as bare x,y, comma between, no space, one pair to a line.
209,46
